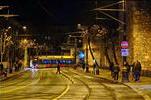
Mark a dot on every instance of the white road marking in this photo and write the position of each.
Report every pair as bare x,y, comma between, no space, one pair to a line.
63,93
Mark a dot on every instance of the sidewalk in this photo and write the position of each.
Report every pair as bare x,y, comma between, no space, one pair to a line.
143,87
11,75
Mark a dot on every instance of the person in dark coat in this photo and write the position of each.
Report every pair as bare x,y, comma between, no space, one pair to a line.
15,66
127,72
94,69
111,67
116,70
1,68
83,66
137,70
19,65
58,69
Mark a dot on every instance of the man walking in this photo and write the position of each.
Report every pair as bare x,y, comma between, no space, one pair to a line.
116,72
137,70
58,69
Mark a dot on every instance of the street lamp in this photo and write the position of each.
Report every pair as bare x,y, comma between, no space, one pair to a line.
75,47
24,28
9,27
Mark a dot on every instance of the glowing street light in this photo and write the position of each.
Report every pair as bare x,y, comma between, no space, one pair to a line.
9,27
24,27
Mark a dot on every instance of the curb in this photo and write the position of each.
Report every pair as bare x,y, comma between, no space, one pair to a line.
146,97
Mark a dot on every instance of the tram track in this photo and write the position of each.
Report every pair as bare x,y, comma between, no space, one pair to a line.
89,87
86,85
69,85
117,90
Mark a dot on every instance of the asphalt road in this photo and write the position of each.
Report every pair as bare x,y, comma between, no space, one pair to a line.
45,84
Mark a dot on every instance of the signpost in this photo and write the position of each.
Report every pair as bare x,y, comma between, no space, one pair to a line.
124,52
124,44
124,49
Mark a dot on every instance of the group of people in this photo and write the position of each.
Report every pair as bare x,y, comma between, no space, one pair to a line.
3,71
16,66
127,70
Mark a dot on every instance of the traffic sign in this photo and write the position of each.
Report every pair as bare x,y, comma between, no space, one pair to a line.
124,52
124,44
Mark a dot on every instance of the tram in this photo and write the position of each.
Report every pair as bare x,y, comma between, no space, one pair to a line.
52,61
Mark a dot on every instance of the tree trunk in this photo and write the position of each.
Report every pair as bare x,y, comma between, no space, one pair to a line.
114,52
92,52
106,51
107,56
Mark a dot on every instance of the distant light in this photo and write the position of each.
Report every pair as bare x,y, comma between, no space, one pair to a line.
81,55
147,57
35,59
24,27
79,26
8,15
9,27
25,40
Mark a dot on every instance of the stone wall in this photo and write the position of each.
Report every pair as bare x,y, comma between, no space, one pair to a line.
141,37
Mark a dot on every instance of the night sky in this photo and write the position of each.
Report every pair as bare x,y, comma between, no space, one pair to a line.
55,17
44,14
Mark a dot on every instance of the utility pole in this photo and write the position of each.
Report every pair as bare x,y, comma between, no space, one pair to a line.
75,46
125,28
1,48
122,22
86,51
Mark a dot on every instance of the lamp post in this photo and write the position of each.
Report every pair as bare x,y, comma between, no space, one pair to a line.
86,51
75,47
24,44
84,36
1,48
25,53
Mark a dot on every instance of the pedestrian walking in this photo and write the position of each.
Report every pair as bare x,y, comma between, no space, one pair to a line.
131,71
19,65
125,72
5,72
1,68
87,68
137,70
15,66
128,70
111,67
83,66
94,69
58,69
116,70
